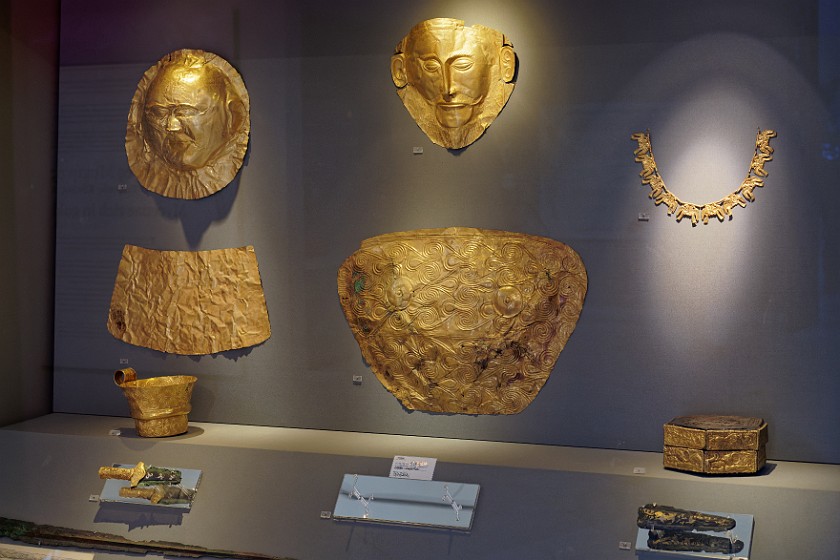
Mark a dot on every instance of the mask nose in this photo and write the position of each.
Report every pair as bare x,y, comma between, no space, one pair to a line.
448,84
173,124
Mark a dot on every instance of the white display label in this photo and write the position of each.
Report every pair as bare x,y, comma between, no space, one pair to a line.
414,468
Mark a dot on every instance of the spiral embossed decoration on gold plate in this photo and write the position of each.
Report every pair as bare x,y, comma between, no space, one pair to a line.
462,320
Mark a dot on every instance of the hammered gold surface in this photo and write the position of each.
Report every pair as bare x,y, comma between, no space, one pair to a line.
189,302
683,458
716,432
715,444
188,125
453,80
735,439
721,208
684,437
158,405
733,462
462,320
134,474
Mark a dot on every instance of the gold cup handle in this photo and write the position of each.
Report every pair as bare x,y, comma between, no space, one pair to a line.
124,376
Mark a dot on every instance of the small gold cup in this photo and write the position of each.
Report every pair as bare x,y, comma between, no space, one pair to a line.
159,405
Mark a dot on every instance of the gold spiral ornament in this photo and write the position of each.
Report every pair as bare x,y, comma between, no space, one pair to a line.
462,320
719,209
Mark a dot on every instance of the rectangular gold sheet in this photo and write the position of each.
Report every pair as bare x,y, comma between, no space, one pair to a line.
189,302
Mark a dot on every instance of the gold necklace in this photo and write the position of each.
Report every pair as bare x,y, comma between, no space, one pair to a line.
719,208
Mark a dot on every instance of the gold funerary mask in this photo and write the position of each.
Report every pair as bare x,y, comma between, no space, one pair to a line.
188,125
462,320
454,80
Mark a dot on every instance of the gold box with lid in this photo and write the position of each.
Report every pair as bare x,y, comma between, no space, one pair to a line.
715,444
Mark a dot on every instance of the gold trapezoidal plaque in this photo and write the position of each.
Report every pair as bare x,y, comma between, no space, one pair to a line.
462,320
453,80
189,302
188,125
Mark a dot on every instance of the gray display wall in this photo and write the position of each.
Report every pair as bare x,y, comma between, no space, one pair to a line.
28,91
738,317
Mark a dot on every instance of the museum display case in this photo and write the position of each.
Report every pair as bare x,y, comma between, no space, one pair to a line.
291,429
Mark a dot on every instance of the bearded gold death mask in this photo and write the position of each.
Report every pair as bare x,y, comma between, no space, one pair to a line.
188,125
454,80
462,320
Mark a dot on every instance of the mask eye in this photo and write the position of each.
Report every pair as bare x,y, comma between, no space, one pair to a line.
186,111
462,63
157,112
431,66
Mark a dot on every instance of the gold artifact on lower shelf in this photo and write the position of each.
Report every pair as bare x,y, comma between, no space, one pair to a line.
141,473
462,320
159,405
189,302
160,494
715,444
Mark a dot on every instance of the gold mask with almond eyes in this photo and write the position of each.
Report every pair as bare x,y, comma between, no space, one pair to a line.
188,125
454,80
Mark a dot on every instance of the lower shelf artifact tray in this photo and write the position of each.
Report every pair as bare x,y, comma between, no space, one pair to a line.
425,503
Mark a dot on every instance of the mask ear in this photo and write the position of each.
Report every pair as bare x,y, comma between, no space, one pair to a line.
507,61
398,70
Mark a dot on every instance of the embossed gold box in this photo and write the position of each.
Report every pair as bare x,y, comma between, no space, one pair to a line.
715,444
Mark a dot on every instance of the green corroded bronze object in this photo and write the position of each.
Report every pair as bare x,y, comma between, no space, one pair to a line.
462,320
49,535
188,125
162,494
453,80
689,541
654,516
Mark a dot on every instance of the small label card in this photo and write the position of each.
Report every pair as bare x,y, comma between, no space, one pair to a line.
414,468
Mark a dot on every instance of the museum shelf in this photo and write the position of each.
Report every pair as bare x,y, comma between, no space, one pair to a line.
265,489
